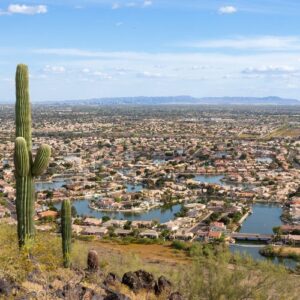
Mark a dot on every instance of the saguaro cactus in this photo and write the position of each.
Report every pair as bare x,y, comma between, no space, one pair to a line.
93,261
66,231
25,167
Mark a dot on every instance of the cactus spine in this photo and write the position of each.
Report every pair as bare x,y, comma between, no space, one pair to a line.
25,167
66,231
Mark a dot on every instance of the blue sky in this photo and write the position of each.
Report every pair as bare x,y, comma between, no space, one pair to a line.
103,48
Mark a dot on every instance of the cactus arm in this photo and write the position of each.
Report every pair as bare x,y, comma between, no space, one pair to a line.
22,162
41,160
23,107
66,231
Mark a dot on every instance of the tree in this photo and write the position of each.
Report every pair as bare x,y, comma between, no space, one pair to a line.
74,211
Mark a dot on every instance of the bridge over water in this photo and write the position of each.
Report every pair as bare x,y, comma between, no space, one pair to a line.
252,237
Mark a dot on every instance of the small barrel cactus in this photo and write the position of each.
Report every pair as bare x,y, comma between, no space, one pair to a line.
66,231
93,261
25,167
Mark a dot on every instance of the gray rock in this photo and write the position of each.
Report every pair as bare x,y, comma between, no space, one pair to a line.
162,285
175,296
139,280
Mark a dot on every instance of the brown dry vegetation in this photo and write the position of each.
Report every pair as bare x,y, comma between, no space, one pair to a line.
285,131
204,273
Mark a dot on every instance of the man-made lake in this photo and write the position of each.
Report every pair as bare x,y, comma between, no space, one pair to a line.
215,179
160,214
263,219
51,185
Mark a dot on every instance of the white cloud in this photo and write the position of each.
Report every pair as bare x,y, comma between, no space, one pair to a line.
54,69
118,24
148,3
271,69
116,6
102,75
131,4
147,74
24,9
261,43
227,10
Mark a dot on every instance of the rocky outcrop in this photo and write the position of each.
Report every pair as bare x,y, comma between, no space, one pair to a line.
139,280
5,287
85,285
111,279
175,296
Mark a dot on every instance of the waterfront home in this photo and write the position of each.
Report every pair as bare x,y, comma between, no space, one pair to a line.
198,206
141,224
153,234
94,230
183,235
171,225
92,222
114,223
292,239
217,227
122,232
214,235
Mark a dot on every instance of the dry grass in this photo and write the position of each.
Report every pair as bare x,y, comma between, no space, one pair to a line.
284,131
196,279
119,259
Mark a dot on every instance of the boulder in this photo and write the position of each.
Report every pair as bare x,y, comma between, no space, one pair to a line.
175,296
116,296
78,292
111,279
139,280
163,285
5,287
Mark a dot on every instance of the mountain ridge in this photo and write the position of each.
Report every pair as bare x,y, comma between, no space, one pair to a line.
184,100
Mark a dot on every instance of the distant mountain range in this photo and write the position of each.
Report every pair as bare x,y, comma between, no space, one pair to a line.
183,100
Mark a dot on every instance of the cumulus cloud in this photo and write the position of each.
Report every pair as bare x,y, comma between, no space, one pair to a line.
54,69
271,69
148,3
24,9
261,43
227,10
147,74
102,75
145,3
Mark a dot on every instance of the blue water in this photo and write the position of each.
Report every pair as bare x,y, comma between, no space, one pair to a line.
50,186
131,188
214,179
263,219
159,214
